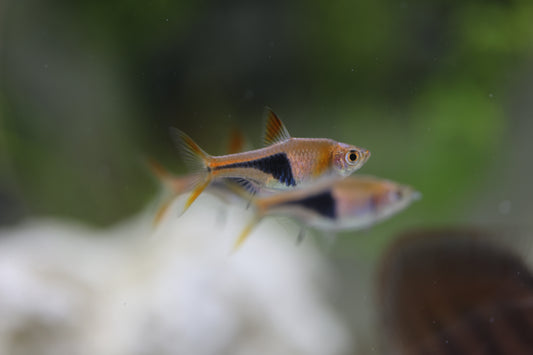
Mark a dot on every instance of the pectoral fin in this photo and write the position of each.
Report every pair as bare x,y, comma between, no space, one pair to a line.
301,235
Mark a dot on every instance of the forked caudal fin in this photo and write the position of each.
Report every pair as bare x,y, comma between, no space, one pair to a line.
197,159
162,174
275,130
191,152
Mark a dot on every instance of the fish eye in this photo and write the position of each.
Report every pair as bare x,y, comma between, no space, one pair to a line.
352,156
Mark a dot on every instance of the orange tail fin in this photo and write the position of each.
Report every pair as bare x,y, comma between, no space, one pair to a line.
197,159
176,184
158,170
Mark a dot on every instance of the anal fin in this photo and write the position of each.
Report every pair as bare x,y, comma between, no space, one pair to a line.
245,233
247,185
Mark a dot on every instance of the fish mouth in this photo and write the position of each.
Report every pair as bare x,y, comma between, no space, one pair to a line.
416,195
366,154
411,194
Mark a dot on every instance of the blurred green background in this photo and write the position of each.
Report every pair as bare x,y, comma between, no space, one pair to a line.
440,91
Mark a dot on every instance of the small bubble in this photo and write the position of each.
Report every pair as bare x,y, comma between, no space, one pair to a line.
446,341
491,95
491,319
166,19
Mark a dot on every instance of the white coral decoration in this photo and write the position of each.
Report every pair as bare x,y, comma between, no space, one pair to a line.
66,288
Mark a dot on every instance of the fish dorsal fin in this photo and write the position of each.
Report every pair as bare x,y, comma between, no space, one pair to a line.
236,141
275,130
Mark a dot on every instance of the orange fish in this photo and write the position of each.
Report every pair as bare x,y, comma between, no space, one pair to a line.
178,185
349,204
284,164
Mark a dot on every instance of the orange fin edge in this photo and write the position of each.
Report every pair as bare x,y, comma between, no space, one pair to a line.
195,193
191,152
275,130
161,211
245,233
236,141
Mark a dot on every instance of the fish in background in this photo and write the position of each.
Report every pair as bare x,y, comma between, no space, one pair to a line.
285,163
455,292
179,184
347,204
